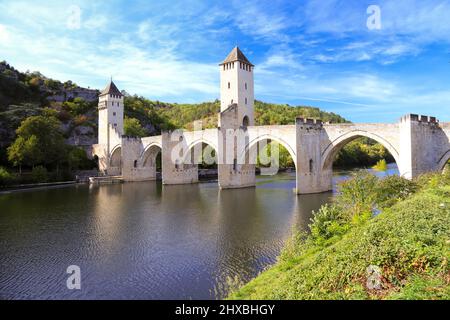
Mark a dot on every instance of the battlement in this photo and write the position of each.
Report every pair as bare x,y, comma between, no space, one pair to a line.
419,118
131,138
317,122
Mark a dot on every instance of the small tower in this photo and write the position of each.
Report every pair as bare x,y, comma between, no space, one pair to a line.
236,86
110,112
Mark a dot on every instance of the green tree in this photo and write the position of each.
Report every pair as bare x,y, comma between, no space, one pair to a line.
39,174
77,107
77,159
132,127
25,151
39,142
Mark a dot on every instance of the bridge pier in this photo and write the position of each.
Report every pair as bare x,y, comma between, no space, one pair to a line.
174,168
235,165
310,177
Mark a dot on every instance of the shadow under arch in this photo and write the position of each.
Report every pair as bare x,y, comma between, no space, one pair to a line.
115,159
203,160
443,160
330,152
150,154
191,147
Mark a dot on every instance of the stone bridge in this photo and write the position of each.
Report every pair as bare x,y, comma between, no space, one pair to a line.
419,144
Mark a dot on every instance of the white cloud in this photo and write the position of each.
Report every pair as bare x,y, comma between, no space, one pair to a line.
317,51
5,36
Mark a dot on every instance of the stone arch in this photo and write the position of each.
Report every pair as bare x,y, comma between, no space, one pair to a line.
443,160
330,152
149,155
115,161
252,144
202,141
115,158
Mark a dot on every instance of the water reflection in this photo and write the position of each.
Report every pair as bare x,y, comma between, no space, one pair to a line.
144,240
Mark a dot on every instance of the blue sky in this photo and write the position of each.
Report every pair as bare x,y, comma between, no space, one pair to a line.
317,53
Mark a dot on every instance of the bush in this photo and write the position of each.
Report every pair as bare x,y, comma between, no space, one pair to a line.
6,178
78,160
357,195
80,120
358,200
77,107
392,189
328,222
39,174
381,165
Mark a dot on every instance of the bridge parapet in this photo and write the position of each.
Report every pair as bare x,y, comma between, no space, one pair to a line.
309,121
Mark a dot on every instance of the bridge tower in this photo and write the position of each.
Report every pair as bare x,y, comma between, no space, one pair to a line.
110,129
235,169
236,86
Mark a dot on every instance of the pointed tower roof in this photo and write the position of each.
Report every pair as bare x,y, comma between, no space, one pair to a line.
236,55
111,89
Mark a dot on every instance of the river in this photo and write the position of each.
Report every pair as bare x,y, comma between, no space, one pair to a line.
144,240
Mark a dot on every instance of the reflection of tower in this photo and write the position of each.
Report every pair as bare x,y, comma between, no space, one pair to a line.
236,86
110,113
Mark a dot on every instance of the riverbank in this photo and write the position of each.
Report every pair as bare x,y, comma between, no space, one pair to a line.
36,186
401,253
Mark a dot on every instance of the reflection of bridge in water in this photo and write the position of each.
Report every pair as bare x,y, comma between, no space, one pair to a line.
418,144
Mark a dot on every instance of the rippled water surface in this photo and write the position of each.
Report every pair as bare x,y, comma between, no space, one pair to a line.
144,240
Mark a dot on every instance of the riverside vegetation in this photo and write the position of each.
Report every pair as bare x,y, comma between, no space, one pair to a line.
399,227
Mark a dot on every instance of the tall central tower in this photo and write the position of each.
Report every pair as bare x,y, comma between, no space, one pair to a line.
236,86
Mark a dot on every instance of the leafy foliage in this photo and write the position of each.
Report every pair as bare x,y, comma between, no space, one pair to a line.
39,141
132,127
362,152
328,222
407,241
6,177
77,159
39,174
271,114
78,106
381,165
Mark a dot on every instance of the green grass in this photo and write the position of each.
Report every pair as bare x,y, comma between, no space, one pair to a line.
408,241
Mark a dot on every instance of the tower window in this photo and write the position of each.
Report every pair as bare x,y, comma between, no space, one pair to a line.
311,165
245,100
114,114
229,85
115,124
246,86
